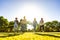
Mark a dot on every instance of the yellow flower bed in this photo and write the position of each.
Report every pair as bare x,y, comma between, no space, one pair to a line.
29,36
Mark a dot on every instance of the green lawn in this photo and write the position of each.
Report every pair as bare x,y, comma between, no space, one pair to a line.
30,36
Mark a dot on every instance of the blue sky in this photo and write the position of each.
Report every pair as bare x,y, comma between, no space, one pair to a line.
47,9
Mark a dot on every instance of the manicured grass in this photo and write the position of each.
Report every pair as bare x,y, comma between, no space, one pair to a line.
31,36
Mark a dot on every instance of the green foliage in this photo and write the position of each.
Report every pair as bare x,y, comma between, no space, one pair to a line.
11,23
52,26
3,22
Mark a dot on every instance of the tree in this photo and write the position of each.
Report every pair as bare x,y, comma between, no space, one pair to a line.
11,25
52,26
55,25
48,26
3,23
59,26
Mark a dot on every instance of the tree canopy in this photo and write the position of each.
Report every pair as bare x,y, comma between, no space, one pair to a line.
53,26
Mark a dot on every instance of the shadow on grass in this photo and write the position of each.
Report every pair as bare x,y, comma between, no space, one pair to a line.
48,35
11,34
